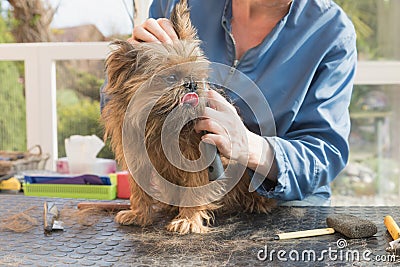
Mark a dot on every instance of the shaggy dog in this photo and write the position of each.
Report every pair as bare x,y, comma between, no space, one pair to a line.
158,91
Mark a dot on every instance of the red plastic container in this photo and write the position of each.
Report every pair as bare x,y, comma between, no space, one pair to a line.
123,190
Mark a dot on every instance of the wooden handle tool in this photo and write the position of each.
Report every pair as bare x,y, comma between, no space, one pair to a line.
306,233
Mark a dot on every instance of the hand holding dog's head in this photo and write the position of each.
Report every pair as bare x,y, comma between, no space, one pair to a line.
160,78
169,73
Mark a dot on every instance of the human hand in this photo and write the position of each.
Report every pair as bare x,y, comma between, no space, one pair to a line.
227,131
225,128
159,31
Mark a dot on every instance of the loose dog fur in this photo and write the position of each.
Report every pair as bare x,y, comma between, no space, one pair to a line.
131,67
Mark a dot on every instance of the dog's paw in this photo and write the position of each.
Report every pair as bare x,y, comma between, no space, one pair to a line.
263,205
128,217
185,226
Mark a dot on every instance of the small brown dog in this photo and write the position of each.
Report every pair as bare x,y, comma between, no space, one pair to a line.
147,83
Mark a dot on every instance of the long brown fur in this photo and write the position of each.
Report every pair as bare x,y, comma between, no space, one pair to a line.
132,67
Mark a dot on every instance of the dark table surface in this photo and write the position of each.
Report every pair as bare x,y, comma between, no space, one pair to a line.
236,240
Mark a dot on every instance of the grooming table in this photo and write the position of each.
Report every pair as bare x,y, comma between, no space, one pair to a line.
237,240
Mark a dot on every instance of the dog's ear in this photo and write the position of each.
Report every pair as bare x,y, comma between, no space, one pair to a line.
121,63
124,67
180,18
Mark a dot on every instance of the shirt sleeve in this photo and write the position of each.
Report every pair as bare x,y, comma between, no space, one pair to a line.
315,149
161,8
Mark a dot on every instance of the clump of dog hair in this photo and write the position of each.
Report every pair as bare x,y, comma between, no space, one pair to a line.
20,222
84,217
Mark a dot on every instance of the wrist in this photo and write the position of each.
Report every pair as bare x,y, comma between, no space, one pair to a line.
261,156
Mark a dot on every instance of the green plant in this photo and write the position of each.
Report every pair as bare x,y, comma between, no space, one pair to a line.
5,34
71,75
78,115
12,104
364,17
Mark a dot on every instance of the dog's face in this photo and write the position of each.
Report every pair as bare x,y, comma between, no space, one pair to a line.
160,87
162,77
162,82
176,94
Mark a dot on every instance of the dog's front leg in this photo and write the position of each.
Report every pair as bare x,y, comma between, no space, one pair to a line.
191,220
195,216
141,212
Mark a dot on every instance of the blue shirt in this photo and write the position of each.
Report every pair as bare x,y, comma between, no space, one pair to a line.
305,69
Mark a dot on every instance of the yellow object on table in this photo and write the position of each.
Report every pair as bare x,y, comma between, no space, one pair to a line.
10,184
392,227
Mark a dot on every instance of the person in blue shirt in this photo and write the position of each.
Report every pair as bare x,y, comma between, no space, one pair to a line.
302,56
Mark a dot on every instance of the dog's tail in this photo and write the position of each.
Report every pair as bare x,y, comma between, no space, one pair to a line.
180,18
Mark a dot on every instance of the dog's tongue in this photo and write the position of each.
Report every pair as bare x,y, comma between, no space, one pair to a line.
191,99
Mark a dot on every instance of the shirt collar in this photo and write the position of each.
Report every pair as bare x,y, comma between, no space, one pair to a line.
248,61
227,15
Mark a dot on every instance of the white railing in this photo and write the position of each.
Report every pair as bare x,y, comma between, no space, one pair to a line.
40,82
40,85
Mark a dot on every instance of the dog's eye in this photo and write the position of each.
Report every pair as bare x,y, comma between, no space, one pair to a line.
171,79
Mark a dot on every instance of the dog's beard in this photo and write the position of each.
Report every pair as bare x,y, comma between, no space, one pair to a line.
171,123
163,121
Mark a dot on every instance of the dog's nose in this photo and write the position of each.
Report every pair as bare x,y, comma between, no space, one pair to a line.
191,86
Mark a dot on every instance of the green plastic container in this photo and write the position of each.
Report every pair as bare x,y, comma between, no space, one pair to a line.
108,192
